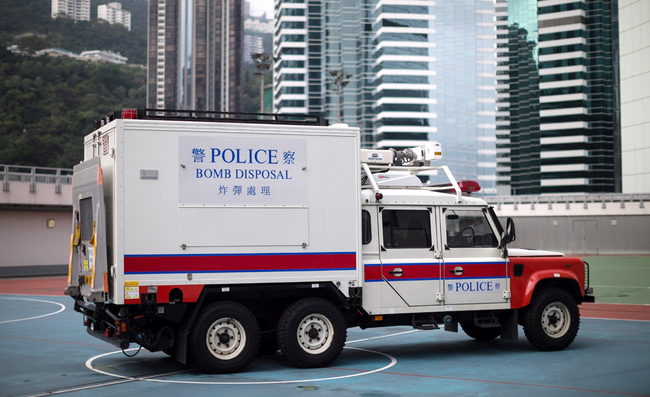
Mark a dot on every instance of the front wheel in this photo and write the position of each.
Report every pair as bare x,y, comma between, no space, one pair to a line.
552,320
225,338
312,333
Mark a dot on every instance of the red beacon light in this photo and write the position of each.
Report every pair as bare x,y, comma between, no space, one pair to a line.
469,187
466,187
129,113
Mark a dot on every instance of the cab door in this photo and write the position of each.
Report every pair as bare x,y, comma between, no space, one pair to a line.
473,269
409,269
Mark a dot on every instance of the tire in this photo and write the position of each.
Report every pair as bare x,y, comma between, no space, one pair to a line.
224,339
479,333
552,320
312,333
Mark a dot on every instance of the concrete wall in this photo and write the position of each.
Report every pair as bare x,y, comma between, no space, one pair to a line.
29,247
584,235
608,224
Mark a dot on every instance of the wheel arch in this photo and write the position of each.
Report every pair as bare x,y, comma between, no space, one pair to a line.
565,280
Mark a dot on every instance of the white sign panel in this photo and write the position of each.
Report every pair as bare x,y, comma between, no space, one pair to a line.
242,171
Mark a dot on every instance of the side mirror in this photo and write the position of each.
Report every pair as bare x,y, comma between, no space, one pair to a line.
511,235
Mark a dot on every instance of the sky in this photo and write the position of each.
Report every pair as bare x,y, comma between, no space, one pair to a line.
259,7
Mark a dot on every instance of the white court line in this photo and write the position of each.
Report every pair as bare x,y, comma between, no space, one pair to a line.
383,336
117,382
393,361
32,318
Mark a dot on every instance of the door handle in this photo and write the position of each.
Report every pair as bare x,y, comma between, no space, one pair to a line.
458,271
397,272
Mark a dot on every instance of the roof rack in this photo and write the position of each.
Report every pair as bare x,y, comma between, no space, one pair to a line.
202,115
451,187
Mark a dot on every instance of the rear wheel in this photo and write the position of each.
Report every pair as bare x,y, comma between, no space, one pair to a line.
312,333
225,338
480,333
552,320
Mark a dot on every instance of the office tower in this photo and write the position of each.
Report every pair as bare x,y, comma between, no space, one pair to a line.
420,71
557,97
195,55
113,13
78,10
634,17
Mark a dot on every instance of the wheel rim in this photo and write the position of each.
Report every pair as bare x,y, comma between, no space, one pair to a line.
226,338
556,320
315,333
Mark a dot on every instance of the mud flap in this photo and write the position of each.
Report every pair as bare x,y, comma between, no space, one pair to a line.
509,326
87,268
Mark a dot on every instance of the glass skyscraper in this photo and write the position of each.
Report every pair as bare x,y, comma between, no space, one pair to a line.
421,70
558,127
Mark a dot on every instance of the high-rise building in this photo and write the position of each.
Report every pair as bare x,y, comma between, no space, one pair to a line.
420,71
558,127
78,10
635,95
195,52
113,13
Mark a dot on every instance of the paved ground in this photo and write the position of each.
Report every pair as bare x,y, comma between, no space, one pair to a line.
45,350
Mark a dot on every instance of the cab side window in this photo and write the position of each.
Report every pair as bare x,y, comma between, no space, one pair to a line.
468,228
406,228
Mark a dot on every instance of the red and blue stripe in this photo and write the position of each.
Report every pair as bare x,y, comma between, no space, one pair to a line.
238,263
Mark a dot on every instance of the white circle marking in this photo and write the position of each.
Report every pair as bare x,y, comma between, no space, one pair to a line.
393,361
32,318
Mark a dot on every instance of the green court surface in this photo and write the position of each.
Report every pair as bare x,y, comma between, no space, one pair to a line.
620,279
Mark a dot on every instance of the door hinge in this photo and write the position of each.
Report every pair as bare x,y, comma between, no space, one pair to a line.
506,294
440,297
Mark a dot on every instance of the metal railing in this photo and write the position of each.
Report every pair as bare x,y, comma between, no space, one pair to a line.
34,175
567,200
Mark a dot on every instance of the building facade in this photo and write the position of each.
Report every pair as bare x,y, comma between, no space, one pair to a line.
104,56
79,10
195,51
558,123
635,95
418,71
113,13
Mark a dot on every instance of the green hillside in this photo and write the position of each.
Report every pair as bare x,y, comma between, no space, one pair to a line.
21,17
48,104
